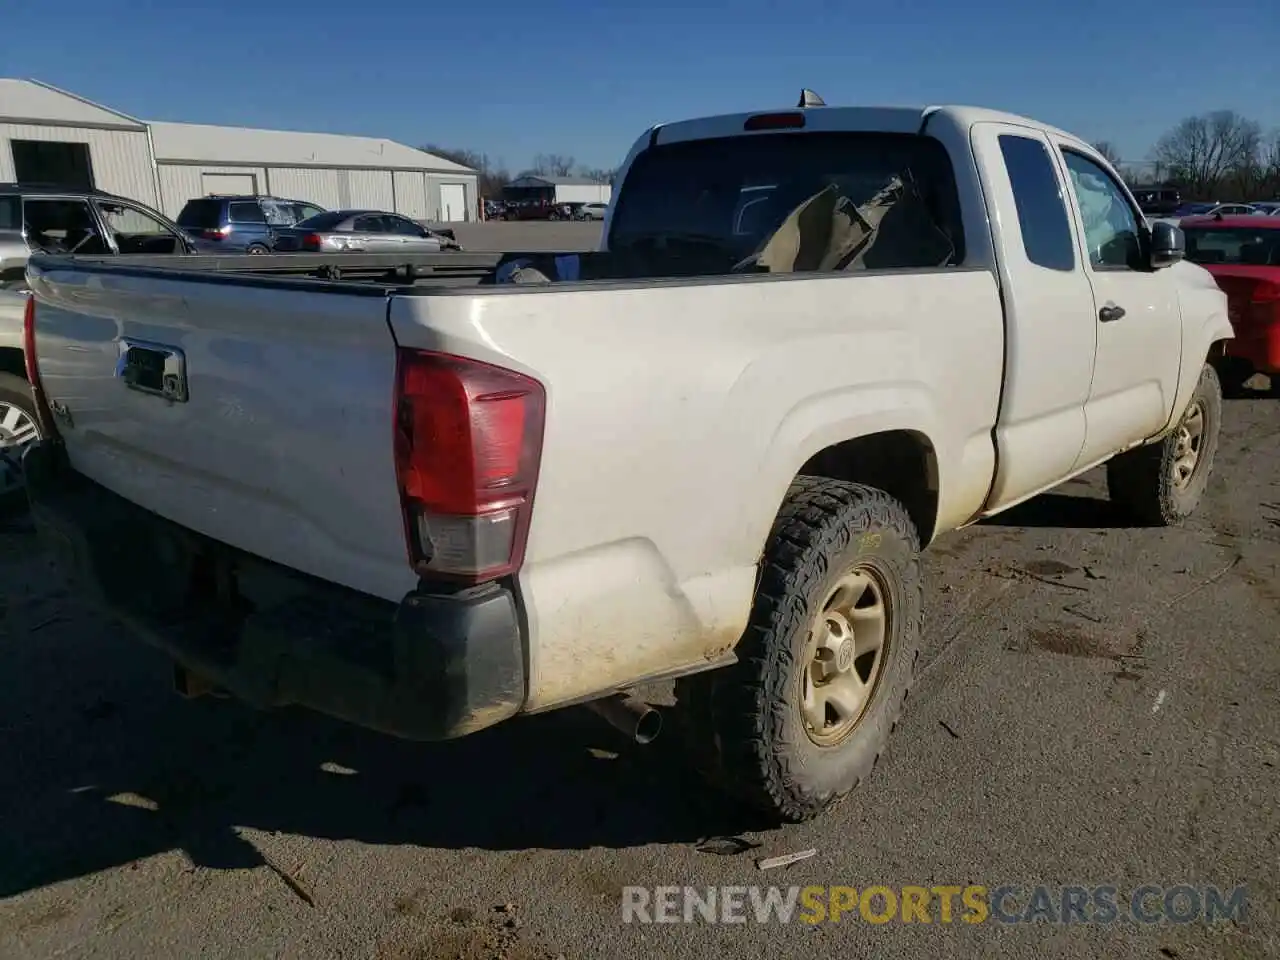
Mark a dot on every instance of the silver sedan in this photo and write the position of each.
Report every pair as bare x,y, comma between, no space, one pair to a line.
371,231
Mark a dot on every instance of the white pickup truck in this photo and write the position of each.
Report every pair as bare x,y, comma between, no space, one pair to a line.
814,340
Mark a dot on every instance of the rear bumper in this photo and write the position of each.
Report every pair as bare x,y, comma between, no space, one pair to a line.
435,666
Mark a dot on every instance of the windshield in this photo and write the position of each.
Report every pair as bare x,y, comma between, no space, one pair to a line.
1238,246
724,199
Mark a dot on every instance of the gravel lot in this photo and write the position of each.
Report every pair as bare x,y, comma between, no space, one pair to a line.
1097,705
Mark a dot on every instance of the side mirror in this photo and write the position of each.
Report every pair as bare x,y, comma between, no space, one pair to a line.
1168,244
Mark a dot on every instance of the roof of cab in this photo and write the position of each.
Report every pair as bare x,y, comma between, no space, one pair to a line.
886,119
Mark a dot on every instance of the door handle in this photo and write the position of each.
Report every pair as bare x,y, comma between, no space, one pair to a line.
1110,312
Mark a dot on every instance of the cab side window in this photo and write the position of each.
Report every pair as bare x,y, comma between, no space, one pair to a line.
1111,229
1037,195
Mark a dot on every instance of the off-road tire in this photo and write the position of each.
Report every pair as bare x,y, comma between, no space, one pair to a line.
742,723
1141,481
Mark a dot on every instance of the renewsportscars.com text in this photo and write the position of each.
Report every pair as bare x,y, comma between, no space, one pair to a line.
969,904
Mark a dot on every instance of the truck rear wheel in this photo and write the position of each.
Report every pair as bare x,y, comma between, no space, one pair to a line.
1161,484
18,428
827,657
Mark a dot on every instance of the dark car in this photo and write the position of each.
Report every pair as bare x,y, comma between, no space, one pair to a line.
54,219
371,231
243,224
537,210
1158,201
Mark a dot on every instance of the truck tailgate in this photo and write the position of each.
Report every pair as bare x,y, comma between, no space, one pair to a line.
279,442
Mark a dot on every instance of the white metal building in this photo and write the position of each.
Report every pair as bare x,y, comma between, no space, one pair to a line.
47,134
333,171
560,189
50,135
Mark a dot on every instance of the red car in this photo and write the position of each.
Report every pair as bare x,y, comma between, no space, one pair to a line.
1243,254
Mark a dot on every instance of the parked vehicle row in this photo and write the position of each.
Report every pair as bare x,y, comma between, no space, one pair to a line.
1167,202
259,225
828,336
541,210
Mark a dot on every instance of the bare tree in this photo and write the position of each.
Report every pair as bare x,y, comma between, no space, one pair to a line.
599,174
1109,152
493,177
1270,156
553,165
1204,151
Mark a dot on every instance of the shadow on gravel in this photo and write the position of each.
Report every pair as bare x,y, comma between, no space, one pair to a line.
1060,510
100,765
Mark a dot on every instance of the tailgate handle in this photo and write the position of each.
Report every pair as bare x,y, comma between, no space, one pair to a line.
154,368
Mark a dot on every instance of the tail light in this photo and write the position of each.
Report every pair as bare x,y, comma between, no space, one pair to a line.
468,440
218,234
32,366
311,241
29,341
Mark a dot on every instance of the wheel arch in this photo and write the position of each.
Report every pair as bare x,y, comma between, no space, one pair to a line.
12,361
903,463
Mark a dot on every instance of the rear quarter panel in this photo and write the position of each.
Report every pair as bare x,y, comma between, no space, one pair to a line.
678,414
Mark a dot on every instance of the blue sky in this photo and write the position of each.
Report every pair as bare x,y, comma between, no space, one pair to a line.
515,79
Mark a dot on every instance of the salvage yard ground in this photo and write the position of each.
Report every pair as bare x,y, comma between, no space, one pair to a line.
1097,705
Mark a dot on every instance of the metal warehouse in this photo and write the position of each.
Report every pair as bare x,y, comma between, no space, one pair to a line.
552,189
336,172
50,135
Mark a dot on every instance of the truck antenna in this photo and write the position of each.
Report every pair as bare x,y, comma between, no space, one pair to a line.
810,99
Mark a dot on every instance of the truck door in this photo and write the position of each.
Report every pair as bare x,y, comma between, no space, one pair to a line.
1050,331
1138,322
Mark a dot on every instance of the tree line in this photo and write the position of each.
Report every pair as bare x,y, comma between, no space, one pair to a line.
493,176
1220,155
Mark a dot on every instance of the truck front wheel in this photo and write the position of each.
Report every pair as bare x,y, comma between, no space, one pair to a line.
827,657
1161,484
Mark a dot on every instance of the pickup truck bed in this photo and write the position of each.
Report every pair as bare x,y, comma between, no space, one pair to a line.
711,451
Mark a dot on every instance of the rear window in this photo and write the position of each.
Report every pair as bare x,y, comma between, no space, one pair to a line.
1238,246
10,212
246,212
201,214
11,219
792,202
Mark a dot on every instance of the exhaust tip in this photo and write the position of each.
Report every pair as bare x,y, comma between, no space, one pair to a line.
630,715
648,726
